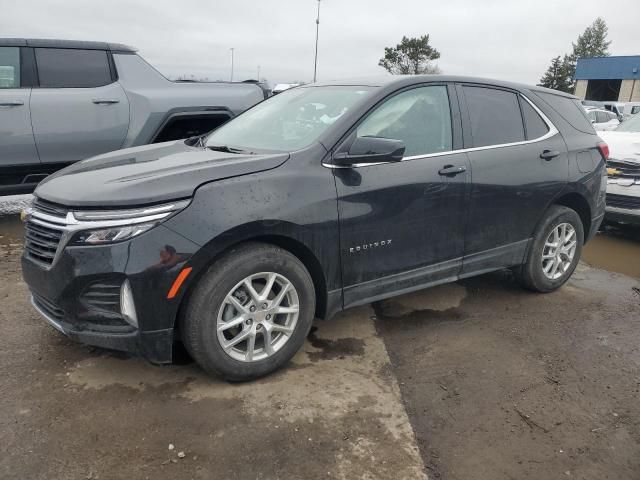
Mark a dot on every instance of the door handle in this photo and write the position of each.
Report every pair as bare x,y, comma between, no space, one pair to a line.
105,101
12,103
549,154
451,170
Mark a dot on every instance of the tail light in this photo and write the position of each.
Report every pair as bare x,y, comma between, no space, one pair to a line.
603,148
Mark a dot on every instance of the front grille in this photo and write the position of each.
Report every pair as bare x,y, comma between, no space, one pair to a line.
102,296
48,307
50,208
625,169
623,201
41,242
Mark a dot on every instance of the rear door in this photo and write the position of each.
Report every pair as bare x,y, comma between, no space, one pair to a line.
79,109
16,136
402,223
519,163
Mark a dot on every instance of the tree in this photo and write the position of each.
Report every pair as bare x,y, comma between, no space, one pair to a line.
592,43
558,75
412,56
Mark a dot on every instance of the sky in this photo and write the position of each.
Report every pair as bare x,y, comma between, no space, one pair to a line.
504,39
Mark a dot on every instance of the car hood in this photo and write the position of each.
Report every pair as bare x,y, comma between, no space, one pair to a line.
622,145
148,174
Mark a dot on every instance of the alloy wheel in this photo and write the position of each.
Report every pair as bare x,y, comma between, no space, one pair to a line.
257,317
558,251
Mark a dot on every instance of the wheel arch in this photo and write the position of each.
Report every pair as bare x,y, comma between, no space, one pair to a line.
211,253
580,205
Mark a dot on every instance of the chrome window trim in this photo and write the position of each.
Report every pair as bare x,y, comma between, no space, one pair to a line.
551,133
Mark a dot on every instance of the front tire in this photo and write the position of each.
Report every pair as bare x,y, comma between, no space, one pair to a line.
554,252
249,313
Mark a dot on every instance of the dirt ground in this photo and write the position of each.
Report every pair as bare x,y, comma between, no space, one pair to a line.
474,380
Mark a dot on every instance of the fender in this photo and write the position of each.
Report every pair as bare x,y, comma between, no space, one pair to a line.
291,237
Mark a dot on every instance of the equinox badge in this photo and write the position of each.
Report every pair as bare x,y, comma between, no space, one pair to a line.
369,246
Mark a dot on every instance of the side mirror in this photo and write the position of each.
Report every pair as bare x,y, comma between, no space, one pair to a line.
368,150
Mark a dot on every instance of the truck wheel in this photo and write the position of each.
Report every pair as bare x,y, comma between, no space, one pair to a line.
555,251
249,313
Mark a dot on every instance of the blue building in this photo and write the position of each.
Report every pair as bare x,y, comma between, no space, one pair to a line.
608,78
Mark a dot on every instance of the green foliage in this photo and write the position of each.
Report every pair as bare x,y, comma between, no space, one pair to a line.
412,56
558,76
592,43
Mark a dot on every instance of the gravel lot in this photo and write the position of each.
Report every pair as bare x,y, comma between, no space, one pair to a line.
473,380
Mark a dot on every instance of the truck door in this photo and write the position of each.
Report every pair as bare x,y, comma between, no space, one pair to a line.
16,136
80,110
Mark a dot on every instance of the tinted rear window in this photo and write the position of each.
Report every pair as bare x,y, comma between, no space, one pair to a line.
535,125
67,68
569,109
495,116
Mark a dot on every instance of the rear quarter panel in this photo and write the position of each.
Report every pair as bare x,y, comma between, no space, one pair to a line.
587,168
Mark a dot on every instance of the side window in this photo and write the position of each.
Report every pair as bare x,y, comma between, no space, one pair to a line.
495,116
570,109
9,67
592,115
68,68
602,117
420,117
534,124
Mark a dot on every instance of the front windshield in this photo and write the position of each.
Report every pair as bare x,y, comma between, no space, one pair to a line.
630,125
289,121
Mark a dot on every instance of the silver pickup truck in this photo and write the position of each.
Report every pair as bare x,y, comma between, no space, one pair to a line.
62,101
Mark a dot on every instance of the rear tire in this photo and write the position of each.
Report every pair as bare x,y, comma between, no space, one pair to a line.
554,252
241,298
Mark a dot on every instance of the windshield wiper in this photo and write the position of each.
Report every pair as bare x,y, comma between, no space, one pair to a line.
227,149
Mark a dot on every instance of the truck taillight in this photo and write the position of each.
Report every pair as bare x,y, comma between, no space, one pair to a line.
604,150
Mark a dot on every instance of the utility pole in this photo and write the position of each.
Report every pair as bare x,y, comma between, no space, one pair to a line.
232,49
315,64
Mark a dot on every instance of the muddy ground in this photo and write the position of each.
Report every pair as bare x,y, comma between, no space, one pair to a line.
474,380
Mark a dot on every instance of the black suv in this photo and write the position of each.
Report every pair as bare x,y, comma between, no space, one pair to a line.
318,199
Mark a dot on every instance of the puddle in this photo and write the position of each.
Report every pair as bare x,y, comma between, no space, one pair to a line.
616,250
332,349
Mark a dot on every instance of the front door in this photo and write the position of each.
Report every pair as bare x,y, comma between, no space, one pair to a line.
79,110
16,136
402,224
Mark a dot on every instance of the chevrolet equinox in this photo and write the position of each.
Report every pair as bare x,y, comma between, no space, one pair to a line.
318,199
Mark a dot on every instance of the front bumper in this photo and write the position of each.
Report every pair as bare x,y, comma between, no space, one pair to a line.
622,215
623,201
64,294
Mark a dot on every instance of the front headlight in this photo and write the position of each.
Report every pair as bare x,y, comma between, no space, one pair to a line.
97,227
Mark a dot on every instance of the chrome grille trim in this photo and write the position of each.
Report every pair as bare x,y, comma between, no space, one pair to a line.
48,234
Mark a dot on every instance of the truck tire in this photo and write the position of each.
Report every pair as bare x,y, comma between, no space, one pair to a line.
554,252
250,312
